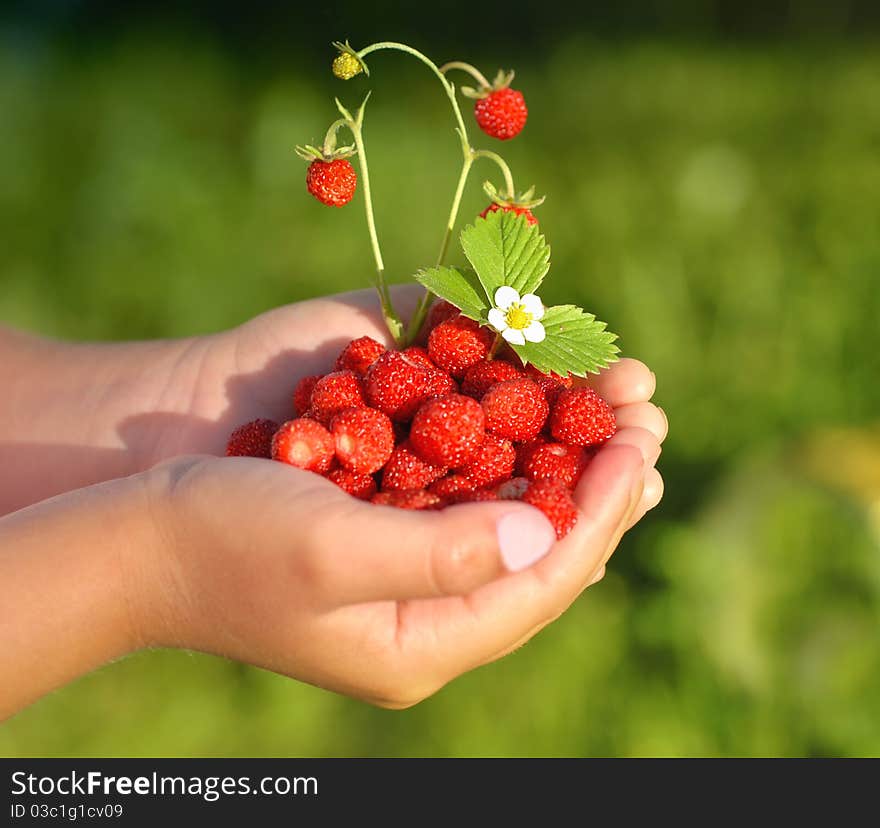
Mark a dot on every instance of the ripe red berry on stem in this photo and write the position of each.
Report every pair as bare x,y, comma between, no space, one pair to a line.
511,208
582,418
502,114
332,182
253,439
304,443
447,430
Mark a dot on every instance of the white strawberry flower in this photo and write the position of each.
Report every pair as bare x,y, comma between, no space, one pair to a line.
517,318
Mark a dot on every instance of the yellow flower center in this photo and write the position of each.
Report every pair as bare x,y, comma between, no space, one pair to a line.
518,317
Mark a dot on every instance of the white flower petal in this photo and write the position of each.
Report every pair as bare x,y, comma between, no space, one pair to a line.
515,337
535,332
533,305
498,320
505,296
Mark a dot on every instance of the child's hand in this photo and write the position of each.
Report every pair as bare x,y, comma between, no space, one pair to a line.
267,564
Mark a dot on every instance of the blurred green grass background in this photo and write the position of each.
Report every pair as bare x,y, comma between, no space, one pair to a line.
716,203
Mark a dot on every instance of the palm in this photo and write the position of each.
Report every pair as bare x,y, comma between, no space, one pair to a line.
251,371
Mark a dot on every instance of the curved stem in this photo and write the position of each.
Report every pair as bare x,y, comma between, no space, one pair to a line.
475,73
502,164
395,326
330,138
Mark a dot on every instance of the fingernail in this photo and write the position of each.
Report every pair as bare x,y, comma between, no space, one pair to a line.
524,536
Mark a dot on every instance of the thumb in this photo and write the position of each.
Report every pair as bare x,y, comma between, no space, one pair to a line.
366,552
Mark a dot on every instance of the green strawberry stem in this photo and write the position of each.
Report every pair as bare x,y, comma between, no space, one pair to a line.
329,144
392,320
469,155
502,164
475,73
496,346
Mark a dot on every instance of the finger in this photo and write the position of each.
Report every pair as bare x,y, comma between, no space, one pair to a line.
642,439
475,629
362,552
626,381
643,415
651,496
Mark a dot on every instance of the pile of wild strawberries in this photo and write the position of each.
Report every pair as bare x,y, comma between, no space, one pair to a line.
426,428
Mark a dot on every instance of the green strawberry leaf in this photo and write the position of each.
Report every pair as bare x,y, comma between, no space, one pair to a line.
576,343
462,289
505,249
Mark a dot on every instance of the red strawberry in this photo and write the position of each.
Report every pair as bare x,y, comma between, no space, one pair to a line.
452,486
302,394
551,384
474,496
524,452
554,500
440,312
512,489
502,114
361,486
458,343
406,470
481,376
556,460
411,499
446,431
419,356
516,409
253,439
492,463
304,443
511,208
359,355
397,385
331,182
364,439
582,418
333,392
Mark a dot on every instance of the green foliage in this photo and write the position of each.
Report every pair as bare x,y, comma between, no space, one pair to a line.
151,191
504,249
460,287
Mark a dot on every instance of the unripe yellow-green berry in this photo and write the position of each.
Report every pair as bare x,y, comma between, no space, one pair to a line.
346,66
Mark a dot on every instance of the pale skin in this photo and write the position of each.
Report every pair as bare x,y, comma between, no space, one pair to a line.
120,531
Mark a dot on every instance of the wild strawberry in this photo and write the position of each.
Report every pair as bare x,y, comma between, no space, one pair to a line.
332,182
440,312
446,431
551,384
364,439
452,486
333,392
554,500
397,385
473,496
556,460
253,439
419,356
510,208
492,463
582,418
359,355
410,499
304,443
502,113
524,452
302,394
406,470
458,343
516,409
361,486
512,489
481,376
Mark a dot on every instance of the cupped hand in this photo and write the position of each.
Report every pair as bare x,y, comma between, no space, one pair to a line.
277,567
